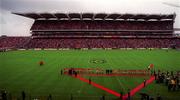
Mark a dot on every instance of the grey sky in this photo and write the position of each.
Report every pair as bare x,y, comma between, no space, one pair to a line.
19,26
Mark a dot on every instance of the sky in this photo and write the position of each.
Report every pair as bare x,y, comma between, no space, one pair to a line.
13,25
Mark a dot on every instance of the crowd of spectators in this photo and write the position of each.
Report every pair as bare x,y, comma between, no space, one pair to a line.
27,42
101,25
96,34
7,95
103,43
13,42
58,34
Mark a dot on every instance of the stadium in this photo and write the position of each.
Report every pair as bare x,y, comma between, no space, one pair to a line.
92,56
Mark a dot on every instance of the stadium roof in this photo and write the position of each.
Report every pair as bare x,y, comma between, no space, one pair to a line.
92,16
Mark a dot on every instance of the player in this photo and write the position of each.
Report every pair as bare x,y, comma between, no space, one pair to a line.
89,80
41,63
144,82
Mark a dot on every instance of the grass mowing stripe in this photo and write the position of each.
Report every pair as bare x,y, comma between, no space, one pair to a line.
121,85
119,81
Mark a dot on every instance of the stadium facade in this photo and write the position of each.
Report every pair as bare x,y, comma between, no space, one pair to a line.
100,30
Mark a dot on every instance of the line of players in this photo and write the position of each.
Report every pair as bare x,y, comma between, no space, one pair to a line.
75,71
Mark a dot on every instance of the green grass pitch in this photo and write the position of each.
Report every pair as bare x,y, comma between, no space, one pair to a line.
19,70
